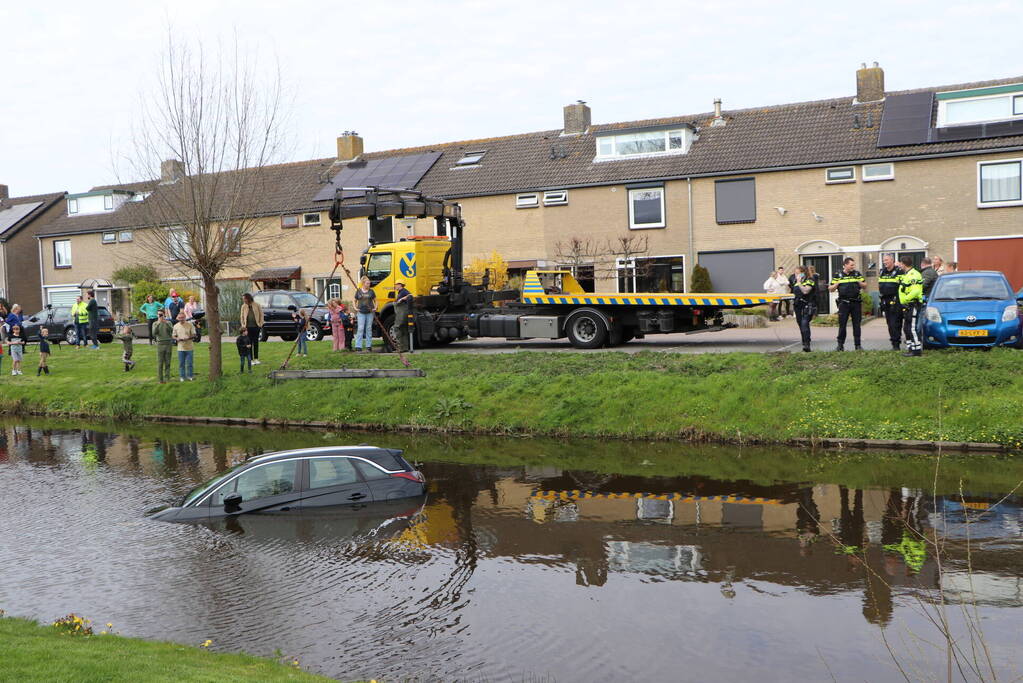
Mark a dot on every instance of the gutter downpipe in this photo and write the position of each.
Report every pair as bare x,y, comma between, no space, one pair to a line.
42,275
692,254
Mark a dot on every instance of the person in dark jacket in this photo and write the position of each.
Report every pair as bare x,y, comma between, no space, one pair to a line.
92,307
244,345
848,282
929,274
888,279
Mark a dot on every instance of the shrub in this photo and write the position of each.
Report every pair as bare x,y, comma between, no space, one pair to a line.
140,290
136,273
700,281
867,302
230,298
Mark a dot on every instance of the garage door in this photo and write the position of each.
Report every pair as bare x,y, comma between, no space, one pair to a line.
62,297
738,271
995,253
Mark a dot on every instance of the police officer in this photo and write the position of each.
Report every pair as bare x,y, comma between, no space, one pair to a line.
402,310
888,287
911,297
804,287
849,282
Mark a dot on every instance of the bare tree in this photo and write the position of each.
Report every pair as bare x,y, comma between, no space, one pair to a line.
626,248
207,129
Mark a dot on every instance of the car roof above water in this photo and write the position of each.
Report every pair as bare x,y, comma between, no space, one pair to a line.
388,458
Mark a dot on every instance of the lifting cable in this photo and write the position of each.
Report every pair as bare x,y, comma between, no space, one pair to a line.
339,262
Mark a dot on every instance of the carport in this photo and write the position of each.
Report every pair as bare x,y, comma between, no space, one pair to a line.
276,278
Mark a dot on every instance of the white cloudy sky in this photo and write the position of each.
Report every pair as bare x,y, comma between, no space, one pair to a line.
415,72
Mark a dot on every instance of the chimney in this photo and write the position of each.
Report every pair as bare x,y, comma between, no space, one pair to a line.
4,193
869,83
171,171
719,120
577,118
349,146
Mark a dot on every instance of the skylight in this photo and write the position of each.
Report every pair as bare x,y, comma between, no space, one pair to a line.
471,158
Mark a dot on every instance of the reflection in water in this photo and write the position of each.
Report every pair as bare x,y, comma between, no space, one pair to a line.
504,572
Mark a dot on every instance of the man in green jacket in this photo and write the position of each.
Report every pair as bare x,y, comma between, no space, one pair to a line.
911,298
163,332
150,309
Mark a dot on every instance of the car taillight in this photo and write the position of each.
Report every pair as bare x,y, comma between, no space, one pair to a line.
411,476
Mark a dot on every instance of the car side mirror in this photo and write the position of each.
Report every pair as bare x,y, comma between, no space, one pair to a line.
291,307
390,295
232,502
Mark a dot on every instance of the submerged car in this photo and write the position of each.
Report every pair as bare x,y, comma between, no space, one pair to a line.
974,308
311,479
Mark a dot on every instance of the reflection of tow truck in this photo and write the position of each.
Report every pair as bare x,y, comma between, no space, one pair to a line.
552,305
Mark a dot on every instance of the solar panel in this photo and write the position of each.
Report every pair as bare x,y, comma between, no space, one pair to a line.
10,216
403,172
906,119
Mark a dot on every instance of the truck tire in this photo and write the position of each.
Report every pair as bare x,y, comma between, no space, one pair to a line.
314,332
586,329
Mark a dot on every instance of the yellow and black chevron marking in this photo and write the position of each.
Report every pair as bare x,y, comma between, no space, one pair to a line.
680,497
532,293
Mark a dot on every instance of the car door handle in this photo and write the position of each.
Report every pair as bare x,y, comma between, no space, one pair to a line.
356,496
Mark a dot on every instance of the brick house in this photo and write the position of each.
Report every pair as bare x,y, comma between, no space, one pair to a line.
925,171
19,257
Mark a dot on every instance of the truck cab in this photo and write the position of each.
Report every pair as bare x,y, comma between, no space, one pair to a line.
417,261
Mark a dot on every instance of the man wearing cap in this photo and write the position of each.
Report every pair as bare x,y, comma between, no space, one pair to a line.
402,311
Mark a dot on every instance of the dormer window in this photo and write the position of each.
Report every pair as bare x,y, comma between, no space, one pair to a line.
980,105
643,143
471,158
98,201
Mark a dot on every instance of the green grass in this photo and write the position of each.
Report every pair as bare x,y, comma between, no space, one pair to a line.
952,395
32,652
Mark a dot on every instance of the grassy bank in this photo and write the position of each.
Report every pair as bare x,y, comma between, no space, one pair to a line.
32,652
951,395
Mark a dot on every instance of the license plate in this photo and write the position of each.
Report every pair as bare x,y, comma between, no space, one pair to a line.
971,333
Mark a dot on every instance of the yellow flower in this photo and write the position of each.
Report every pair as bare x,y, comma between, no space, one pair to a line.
109,625
206,643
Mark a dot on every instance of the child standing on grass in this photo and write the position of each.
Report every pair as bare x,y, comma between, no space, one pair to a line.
301,320
244,345
16,343
124,333
44,352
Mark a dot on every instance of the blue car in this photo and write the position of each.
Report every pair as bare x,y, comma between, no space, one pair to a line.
975,308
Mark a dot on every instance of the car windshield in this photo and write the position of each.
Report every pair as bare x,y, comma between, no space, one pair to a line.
304,299
975,288
192,495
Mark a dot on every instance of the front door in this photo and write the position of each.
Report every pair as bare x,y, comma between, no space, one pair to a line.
268,488
825,265
333,482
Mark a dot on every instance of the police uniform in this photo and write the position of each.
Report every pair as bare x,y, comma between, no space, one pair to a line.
805,306
849,304
888,288
911,297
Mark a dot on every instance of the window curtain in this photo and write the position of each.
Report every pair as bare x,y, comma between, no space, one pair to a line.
1000,182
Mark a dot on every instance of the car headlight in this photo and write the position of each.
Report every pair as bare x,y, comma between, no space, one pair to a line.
933,314
1010,313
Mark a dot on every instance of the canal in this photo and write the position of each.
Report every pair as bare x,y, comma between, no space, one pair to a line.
531,559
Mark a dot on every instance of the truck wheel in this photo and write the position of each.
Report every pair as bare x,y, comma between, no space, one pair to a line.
586,330
314,332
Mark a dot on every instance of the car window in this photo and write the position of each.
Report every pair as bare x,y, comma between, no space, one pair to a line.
304,299
379,267
331,472
262,299
977,287
281,301
369,471
62,312
261,482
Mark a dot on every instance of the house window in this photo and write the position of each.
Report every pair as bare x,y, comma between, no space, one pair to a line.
125,236
735,201
289,221
62,253
844,174
232,240
470,158
108,202
643,143
177,244
72,206
109,237
555,197
327,289
654,274
999,103
646,208
311,218
999,183
527,201
878,172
